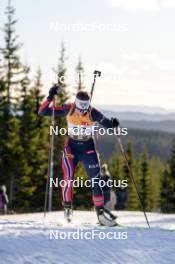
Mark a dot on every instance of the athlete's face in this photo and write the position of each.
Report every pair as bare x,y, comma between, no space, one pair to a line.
82,106
80,111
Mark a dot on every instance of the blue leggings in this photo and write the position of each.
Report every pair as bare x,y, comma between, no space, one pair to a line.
84,151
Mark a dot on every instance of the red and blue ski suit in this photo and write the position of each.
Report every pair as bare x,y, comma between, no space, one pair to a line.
79,150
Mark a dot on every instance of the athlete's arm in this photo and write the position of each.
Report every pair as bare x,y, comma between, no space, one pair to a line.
97,116
46,110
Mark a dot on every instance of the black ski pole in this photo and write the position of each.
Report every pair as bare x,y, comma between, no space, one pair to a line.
132,177
50,165
96,74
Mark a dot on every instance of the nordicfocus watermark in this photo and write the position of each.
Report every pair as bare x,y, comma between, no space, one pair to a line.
88,131
81,234
88,27
109,74
80,182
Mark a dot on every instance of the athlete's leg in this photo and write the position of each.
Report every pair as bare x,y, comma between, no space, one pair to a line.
92,165
69,163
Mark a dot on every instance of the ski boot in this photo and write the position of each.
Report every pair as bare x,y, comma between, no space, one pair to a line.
104,217
114,217
68,213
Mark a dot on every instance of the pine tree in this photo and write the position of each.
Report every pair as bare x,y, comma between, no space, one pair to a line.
24,178
2,95
168,185
156,170
145,180
79,70
133,203
34,140
11,75
61,73
172,179
12,67
116,166
42,139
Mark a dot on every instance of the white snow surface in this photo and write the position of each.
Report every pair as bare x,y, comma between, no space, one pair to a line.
31,239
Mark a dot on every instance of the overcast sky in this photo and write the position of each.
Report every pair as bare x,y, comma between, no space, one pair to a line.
131,41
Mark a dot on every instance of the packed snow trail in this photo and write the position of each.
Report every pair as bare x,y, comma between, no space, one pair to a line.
26,239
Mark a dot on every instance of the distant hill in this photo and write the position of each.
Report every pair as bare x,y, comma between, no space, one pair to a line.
167,126
157,143
136,109
162,120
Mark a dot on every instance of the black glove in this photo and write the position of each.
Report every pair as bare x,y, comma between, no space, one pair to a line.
53,91
115,122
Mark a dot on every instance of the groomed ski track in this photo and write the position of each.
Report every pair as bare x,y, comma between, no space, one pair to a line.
26,239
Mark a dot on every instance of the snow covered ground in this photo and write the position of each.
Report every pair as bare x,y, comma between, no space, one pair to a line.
29,239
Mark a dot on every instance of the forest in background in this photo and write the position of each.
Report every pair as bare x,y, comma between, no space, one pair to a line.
158,143
24,140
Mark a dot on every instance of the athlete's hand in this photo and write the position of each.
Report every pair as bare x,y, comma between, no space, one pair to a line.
115,123
53,91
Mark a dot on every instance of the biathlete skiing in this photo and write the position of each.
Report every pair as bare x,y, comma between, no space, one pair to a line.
80,147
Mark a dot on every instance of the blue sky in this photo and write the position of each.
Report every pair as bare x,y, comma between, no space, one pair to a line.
131,41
